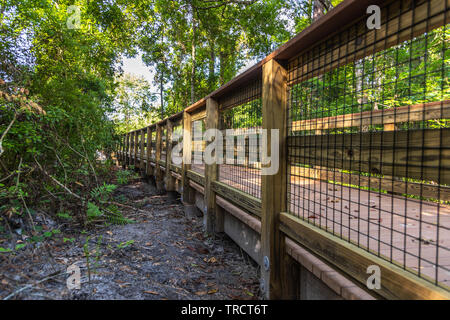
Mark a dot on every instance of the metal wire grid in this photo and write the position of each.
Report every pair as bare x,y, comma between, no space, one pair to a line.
368,160
198,145
240,121
163,143
177,138
153,142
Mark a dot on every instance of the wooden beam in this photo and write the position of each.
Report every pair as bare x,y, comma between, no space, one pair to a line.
136,148
158,171
213,217
238,197
274,115
176,169
149,169
196,187
128,151
188,195
242,215
142,151
197,177
200,115
419,154
170,182
388,117
396,283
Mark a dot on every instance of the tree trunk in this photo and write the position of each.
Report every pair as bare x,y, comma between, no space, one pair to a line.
211,75
193,56
222,64
161,89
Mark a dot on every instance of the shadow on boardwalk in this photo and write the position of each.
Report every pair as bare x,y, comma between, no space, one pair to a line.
163,255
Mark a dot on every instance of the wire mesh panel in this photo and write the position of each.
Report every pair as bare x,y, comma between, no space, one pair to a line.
163,143
240,121
198,127
368,133
177,139
153,142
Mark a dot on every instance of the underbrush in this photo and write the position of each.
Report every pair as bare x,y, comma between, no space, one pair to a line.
35,207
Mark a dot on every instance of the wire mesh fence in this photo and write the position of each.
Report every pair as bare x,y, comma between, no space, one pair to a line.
198,128
153,144
368,132
163,143
177,139
240,121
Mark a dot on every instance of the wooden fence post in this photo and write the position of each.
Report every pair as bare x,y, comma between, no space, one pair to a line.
170,182
188,196
130,148
136,145
130,160
127,146
213,223
158,171
273,189
141,156
148,169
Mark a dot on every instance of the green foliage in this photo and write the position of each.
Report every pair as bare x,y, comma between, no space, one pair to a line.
102,208
5,250
412,72
124,176
64,81
123,245
71,240
20,246
93,211
64,215
196,46
103,192
133,104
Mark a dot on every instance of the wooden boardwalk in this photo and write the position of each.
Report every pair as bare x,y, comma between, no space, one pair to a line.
405,231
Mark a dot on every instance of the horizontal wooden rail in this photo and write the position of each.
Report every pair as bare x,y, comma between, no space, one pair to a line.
197,186
198,116
418,112
246,218
198,178
238,197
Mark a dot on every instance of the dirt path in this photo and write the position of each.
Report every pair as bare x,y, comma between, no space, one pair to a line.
163,255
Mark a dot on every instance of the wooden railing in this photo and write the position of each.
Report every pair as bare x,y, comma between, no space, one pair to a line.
364,153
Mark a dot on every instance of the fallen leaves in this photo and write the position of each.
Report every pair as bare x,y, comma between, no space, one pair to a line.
151,292
210,260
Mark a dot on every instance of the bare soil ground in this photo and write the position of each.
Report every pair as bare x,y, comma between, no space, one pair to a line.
163,255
